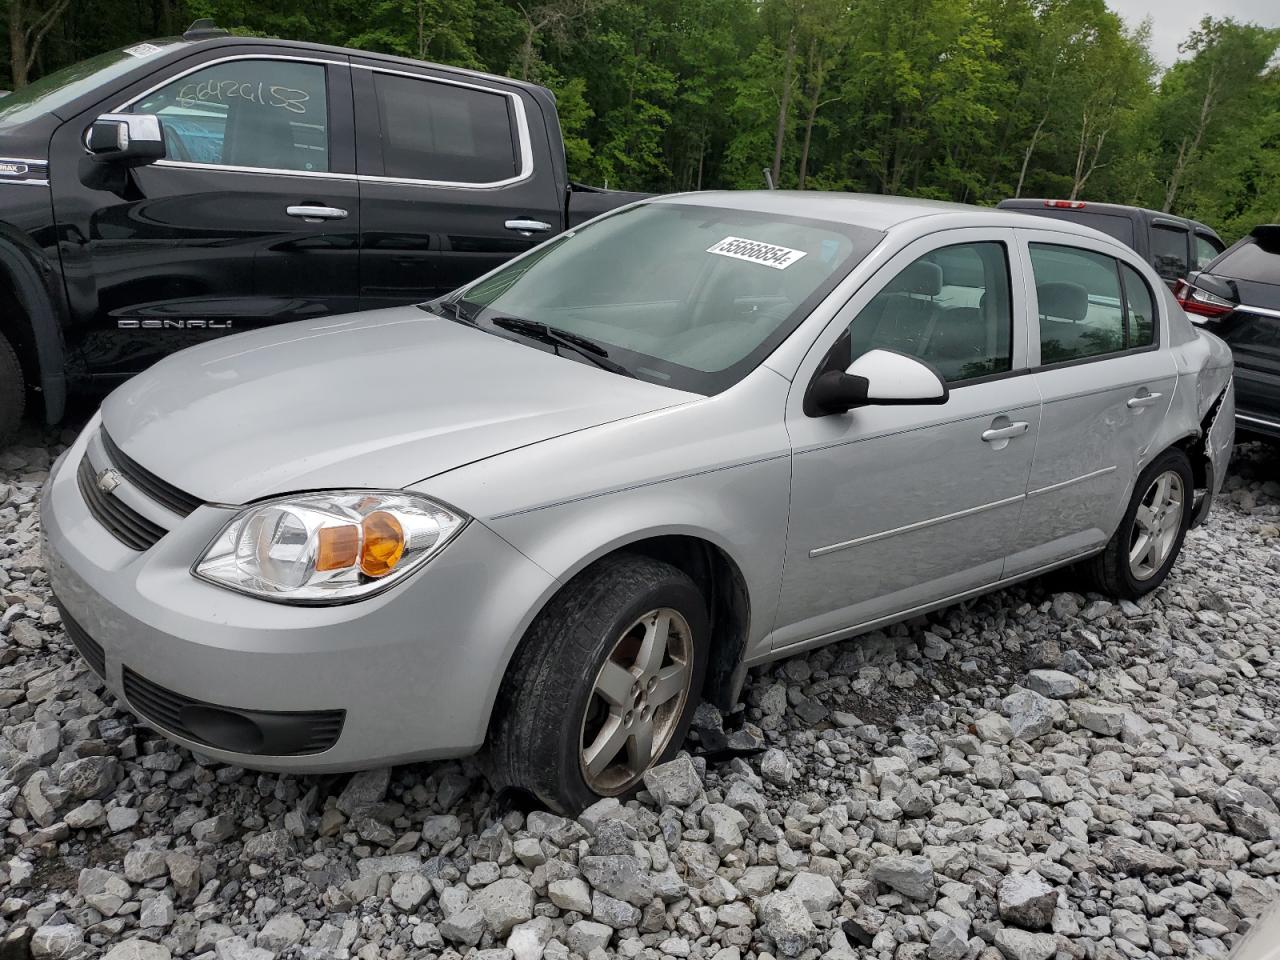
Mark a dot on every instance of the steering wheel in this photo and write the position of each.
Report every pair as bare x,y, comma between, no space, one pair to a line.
174,148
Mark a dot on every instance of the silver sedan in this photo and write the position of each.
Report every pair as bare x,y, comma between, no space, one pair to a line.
548,514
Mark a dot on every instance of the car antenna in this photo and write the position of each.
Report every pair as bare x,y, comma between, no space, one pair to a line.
204,29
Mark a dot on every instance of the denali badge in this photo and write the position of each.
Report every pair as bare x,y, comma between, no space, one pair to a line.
108,479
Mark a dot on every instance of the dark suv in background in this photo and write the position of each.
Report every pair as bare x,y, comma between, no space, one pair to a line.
1173,245
1237,297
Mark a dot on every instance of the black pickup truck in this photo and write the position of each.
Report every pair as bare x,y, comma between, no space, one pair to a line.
190,187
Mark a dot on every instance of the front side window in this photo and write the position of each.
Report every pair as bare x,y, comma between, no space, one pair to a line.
1084,312
950,308
445,132
266,114
1169,252
689,296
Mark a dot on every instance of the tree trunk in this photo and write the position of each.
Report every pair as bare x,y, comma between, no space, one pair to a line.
1187,150
1082,179
808,132
17,44
1026,157
784,106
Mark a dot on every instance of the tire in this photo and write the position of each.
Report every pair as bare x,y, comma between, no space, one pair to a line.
13,392
1113,571
550,713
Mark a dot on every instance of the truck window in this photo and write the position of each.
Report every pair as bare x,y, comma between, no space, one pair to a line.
266,114
1169,252
444,132
1206,250
1119,228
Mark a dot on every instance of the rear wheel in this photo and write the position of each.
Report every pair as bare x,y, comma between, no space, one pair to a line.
13,391
1149,538
604,685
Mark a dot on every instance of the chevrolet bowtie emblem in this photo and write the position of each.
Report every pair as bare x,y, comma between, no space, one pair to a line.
108,480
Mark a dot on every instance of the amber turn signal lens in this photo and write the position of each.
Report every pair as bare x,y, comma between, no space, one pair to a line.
338,547
383,544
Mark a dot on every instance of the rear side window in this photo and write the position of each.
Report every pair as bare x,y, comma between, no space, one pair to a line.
1169,252
950,308
441,131
1251,261
1081,310
265,114
1141,305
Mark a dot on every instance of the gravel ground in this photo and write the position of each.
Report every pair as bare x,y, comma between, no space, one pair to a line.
1034,774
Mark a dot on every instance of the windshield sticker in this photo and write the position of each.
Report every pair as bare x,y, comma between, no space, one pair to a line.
142,50
756,251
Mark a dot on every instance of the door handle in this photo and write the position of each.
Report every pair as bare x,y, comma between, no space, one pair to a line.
316,212
528,227
1142,400
1015,429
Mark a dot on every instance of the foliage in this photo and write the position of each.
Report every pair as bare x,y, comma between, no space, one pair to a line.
969,100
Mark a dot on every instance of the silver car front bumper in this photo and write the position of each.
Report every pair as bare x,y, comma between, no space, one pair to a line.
409,674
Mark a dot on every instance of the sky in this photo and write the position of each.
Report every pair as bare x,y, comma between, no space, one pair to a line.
1172,20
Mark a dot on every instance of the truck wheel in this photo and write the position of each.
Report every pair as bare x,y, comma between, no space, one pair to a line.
13,391
1149,538
603,686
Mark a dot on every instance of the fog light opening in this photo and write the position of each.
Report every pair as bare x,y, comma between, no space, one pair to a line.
224,729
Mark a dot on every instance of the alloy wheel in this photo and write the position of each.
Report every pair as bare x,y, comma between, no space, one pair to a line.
1156,525
636,702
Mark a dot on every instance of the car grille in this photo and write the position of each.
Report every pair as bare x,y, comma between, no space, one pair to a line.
304,731
89,648
165,494
121,521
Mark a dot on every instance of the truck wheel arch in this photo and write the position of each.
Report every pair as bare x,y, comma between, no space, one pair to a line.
35,332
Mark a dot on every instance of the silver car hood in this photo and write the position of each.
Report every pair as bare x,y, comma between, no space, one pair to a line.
378,399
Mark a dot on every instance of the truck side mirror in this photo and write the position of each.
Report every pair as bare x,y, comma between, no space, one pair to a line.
129,139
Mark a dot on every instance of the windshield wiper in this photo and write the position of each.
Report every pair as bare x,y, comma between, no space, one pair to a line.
583,346
450,309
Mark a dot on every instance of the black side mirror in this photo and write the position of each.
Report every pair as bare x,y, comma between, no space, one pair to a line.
835,392
129,139
1216,286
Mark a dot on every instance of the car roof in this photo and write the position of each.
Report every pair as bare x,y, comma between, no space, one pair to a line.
1110,209
874,211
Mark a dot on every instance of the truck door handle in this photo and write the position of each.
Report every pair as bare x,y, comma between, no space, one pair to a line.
316,212
528,227
1142,400
1015,429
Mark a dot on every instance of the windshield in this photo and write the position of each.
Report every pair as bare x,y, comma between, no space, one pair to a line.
52,92
688,296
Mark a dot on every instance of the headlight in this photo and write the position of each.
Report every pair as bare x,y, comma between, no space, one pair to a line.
327,547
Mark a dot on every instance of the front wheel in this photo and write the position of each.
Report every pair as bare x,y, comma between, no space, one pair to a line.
604,685
1146,544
